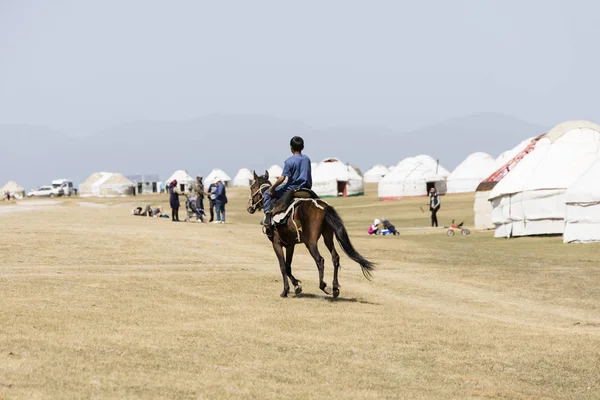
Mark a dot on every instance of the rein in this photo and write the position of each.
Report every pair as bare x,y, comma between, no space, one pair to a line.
260,191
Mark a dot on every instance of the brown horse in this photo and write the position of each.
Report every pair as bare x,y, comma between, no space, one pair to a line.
310,220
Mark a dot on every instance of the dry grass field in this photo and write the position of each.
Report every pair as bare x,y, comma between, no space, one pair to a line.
96,303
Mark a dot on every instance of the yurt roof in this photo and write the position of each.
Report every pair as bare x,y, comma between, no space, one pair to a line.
476,166
11,186
93,178
181,176
244,173
216,173
432,164
275,171
508,155
412,168
378,169
557,160
564,127
117,179
334,169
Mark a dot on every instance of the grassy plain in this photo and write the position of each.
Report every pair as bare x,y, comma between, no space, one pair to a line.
96,303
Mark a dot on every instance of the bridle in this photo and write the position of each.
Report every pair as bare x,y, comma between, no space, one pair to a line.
260,191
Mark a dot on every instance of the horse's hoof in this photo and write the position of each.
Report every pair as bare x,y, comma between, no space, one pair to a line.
336,292
283,294
298,290
326,290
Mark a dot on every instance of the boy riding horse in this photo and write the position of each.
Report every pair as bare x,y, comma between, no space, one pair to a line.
297,170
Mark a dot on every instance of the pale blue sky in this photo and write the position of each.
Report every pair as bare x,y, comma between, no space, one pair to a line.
79,66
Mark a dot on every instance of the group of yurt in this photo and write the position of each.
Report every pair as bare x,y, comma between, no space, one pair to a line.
547,185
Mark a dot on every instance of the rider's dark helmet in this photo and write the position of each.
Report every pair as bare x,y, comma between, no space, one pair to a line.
297,143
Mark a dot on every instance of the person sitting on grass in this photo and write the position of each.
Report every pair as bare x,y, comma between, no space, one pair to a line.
388,228
374,228
147,211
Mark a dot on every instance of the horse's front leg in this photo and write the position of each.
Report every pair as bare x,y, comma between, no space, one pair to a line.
289,255
279,252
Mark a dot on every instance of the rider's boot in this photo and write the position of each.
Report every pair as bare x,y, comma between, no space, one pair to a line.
267,224
268,220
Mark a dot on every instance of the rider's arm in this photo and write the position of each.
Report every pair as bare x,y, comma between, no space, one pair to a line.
278,182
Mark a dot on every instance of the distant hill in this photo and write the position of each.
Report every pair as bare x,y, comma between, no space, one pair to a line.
33,156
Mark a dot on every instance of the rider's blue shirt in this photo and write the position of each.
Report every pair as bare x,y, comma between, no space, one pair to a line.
297,169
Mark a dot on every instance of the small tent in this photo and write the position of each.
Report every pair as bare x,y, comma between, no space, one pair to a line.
530,199
413,176
582,217
243,178
333,178
106,184
469,173
12,187
217,173
184,180
275,172
376,173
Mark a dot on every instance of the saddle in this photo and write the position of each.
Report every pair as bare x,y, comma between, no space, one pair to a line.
289,197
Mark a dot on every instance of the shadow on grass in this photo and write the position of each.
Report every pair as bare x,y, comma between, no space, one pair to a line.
333,300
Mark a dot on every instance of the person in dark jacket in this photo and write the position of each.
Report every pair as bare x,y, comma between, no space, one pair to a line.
174,201
220,201
212,188
434,206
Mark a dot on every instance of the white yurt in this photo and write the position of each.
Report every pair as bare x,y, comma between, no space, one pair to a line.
469,173
582,219
482,207
13,188
243,178
334,178
217,173
376,173
106,184
412,177
530,199
184,180
275,172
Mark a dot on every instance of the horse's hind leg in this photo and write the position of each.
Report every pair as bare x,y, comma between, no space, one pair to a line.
328,239
279,252
314,252
289,255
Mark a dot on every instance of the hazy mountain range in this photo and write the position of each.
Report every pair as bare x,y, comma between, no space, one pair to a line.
34,156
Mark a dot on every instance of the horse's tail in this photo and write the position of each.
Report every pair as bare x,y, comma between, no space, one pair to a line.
335,222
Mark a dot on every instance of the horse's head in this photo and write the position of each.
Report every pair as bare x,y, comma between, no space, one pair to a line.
257,189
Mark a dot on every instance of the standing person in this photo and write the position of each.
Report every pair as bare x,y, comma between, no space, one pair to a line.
174,201
212,188
220,201
297,170
434,206
199,192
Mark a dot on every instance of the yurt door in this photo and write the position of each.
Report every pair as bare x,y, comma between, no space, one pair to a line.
341,189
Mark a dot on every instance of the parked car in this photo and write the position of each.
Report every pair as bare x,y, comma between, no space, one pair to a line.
65,184
45,191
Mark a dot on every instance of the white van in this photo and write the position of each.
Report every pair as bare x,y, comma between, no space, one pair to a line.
63,185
